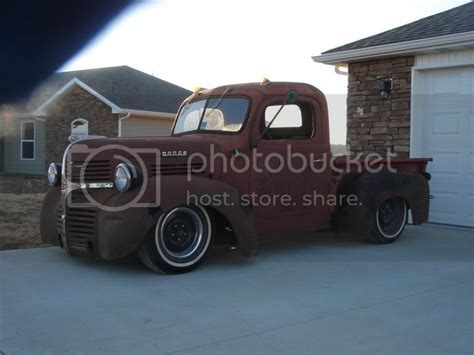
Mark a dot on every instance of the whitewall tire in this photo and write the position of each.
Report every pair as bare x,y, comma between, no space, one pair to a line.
181,240
389,221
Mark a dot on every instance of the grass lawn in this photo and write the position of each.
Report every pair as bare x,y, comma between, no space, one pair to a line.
19,221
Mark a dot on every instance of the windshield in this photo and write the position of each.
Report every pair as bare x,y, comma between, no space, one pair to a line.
217,114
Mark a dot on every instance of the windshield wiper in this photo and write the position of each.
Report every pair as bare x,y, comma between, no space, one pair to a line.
196,93
219,101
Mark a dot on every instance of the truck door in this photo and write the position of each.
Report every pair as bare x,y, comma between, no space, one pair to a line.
289,168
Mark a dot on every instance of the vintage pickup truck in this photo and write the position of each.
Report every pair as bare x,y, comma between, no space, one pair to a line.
242,161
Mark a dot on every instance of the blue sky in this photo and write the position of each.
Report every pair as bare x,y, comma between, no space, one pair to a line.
209,43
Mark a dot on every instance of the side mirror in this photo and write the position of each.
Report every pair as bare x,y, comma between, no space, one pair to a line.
292,97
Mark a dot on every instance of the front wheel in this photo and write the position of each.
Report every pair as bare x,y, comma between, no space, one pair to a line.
389,221
182,238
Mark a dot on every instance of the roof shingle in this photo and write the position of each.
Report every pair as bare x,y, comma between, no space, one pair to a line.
457,20
126,87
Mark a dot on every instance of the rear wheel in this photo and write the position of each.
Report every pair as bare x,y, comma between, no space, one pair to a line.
389,221
182,238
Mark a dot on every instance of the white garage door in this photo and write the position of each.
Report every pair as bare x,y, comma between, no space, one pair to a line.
448,137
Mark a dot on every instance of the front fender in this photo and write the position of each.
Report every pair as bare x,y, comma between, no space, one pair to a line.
48,217
178,190
120,233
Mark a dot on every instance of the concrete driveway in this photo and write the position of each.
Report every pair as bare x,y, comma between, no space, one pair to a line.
305,293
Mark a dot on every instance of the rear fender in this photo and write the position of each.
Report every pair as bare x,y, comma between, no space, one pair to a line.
372,189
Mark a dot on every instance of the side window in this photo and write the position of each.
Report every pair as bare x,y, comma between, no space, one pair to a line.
289,116
79,127
28,140
293,122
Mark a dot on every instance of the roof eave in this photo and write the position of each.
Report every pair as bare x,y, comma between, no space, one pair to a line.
41,110
425,45
157,114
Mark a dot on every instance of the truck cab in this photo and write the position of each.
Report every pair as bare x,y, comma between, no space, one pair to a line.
242,161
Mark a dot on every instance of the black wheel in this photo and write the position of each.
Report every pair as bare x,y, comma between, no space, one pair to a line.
180,242
389,221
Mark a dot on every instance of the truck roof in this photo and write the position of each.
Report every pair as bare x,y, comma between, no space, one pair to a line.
268,88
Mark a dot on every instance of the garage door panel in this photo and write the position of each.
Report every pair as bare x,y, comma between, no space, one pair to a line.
450,126
448,136
470,170
445,82
446,123
445,196
445,163
441,201
443,102
470,208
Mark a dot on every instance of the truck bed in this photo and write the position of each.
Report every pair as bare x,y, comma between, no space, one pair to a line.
344,165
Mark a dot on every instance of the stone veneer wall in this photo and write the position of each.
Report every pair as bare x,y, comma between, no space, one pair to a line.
375,124
76,103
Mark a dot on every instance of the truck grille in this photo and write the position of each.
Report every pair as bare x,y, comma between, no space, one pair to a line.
95,171
59,220
80,227
176,169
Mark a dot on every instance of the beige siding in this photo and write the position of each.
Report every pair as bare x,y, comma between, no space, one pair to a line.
137,126
445,59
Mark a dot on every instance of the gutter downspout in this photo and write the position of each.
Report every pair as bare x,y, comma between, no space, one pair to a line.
120,119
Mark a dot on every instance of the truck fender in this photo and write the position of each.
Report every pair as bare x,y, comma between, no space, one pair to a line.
180,191
118,237
48,219
371,190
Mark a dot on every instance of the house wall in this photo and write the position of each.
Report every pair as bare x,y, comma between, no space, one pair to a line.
375,124
12,148
76,103
139,126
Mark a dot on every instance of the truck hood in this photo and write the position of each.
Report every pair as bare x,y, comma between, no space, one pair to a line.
166,147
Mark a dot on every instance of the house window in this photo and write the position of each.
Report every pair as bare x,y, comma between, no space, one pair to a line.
28,140
79,127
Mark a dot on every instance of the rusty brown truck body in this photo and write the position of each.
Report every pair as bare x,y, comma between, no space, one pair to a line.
219,178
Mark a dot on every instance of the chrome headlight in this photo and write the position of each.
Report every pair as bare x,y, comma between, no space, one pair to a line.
53,174
124,176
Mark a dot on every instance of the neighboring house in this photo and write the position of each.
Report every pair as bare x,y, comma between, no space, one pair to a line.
113,102
426,72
